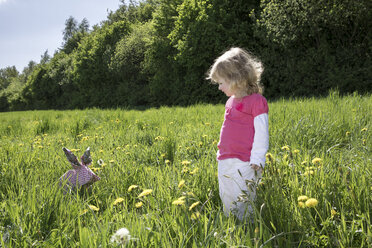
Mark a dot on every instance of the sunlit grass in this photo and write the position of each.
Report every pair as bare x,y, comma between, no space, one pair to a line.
158,177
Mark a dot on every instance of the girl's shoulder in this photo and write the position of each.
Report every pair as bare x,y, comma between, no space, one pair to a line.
255,104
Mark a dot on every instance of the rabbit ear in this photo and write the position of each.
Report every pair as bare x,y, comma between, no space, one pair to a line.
71,157
86,159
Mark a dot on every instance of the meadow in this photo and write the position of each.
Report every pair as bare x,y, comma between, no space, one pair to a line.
159,177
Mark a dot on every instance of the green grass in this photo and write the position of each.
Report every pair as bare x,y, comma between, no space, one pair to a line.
157,148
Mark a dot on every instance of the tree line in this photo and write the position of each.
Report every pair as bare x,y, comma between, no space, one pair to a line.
157,52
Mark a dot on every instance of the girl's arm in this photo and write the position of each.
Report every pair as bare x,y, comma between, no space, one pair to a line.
260,141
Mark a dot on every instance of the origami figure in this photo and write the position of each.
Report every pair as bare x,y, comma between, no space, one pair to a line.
81,174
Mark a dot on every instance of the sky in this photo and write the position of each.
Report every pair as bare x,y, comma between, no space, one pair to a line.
30,27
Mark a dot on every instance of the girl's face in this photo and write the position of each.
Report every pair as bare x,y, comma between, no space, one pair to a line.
225,87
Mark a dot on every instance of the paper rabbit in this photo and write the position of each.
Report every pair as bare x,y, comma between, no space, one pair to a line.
81,174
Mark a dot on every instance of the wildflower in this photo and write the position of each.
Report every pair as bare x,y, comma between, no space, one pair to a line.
84,211
41,147
20,145
200,144
94,208
185,162
195,215
286,148
180,201
304,162
132,187
194,205
181,184
256,230
145,192
162,155
94,169
207,124
112,161
185,169
347,133
214,142
167,161
101,151
316,160
364,141
301,205
312,202
118,200
295,151
269,156
121,236
333,213
302,198
205,136
194,171
139,204
364,129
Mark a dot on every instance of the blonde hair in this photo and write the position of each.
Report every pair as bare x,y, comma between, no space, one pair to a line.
241,70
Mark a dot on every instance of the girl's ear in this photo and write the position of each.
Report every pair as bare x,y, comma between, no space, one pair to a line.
86,159
71,157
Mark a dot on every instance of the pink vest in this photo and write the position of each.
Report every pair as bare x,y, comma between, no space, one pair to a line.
237,131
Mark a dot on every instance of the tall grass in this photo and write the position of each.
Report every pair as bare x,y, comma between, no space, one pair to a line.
319,148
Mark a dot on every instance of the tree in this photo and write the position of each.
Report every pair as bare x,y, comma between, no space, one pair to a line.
71,27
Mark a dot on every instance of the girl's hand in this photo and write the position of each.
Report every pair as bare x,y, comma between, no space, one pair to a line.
256,167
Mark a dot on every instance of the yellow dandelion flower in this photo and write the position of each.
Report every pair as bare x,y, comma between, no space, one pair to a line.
41,147
84,211
301,205
194,205
20,145
185,162
145,192
333,213
118,200
207,124
100,151
347,133
316,160
178,202
189,194
200,144
269,156
94,208
364,129
205,136
302,198
304,162
194,171
364,141
94,169
132,187
312,202
195,216
256,230
181,184
214,142
295,151
139,204
286,148
162,155
112,161
167,161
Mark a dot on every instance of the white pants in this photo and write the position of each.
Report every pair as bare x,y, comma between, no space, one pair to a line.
233,177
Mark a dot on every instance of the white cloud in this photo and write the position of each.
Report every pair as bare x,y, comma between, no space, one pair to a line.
3,1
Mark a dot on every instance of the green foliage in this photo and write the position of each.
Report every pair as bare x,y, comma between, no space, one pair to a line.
157,52
310,47
319,148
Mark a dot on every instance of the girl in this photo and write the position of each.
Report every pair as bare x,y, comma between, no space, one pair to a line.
244,137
